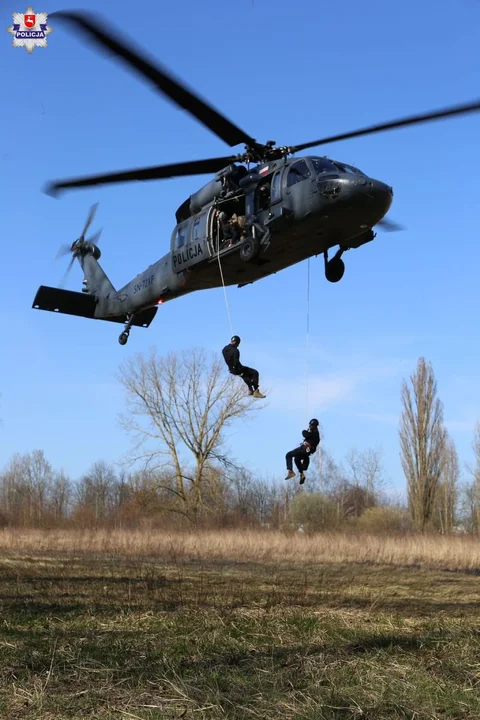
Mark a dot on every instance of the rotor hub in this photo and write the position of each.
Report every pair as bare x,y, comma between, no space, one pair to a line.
264,153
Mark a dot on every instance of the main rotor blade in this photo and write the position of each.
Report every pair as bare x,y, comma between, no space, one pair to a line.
156,172
96,29
412,120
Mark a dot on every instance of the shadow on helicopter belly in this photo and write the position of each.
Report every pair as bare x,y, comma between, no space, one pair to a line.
313,237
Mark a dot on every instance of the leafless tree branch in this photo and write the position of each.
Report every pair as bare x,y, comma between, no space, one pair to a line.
181,404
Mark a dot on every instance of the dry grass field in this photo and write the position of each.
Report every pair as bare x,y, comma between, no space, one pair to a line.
143,626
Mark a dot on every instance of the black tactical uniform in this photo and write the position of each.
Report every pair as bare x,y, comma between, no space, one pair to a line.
301,454
231,231
231,355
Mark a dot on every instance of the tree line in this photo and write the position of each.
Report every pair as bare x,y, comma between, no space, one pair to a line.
180,471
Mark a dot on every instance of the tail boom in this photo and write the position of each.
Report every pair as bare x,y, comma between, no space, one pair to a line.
96,281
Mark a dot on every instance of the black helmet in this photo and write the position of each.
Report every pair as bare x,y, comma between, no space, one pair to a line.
314,421
235,340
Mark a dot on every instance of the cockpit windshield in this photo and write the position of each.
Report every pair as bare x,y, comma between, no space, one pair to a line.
350,169
323,165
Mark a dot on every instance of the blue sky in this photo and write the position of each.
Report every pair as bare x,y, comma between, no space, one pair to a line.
286,71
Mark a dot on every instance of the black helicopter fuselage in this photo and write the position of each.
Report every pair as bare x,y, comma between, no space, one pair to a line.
313,204
293,208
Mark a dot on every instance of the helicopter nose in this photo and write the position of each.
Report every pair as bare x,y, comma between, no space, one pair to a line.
377,199
382,195
368,200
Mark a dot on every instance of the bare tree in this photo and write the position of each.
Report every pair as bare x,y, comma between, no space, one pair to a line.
250,498
475,486
326,473
61,496
469,510
27,490
39,477
96,490
178,408
422,442
13,491
364,469
447,491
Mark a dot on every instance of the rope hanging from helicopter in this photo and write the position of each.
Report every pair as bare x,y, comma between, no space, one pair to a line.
223,284
308,339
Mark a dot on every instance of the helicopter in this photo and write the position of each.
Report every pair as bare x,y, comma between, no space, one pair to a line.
292,208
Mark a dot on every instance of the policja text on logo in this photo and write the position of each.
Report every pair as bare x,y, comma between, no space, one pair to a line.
29,30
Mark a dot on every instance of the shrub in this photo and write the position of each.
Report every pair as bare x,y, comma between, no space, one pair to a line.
385,520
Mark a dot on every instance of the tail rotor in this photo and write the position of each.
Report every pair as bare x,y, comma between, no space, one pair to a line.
81,246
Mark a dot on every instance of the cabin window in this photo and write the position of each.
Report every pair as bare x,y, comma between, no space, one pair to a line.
181,236
297,172
275,194
199,228
322,165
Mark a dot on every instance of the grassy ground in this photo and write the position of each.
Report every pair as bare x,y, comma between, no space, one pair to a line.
103,626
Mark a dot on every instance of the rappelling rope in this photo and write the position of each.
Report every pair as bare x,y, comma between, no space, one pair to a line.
308,330
223,285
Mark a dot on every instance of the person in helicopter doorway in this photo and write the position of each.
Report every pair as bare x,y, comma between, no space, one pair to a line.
301,454
238,224
231,355
230,230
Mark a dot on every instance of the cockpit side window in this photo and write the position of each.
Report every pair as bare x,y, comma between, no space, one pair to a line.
199,228
297,172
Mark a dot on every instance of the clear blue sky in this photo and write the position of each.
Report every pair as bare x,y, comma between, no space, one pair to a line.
288,71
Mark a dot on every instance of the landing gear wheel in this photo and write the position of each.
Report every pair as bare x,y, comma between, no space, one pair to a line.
249,249
334,270
123,338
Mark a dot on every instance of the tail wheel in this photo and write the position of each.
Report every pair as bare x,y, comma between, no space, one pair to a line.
249,249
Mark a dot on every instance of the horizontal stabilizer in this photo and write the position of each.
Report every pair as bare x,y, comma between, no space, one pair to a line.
68,302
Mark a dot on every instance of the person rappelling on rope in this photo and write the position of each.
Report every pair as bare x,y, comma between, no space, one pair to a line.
231,355
301,454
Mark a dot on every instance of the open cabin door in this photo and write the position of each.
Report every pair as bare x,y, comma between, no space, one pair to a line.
213,230
234,211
